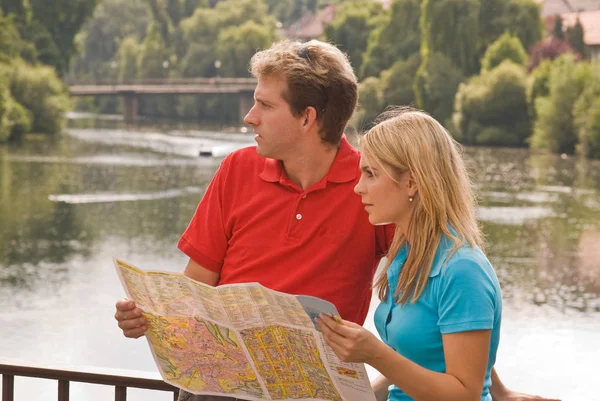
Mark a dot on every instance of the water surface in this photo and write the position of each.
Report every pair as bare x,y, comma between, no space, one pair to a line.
68,205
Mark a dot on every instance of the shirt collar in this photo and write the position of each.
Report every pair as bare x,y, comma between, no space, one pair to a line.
343,169
444,250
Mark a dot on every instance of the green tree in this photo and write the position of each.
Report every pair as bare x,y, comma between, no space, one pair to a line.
351,26
558,30
507,47
152,56
397,38
112,22
10,39
127,56
14,118
538,84
491,109
554,127
586,112
439,86
236,45
58,22
451,27
41,92
288,11
574,35
520,18
396,82
370,103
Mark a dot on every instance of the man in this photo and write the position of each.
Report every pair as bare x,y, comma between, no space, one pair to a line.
284,213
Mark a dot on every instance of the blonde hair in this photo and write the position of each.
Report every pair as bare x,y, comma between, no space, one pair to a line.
318,74
407,139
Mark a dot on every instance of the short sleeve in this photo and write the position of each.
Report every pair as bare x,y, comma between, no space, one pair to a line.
205,239
467,297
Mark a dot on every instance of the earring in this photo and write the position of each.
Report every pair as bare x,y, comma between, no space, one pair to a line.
411,198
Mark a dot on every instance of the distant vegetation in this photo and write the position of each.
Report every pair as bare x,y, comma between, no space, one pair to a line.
485,68
36,44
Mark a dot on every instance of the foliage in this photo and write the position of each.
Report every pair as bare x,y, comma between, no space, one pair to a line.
100,39
586,112
288,11
507,47
538,84
350,29
370,103
438,87
554,127
396,38
574,35
557,30
451,27
42,93
236,45
10,39
127,56
521,18
14,118
396,82
53,26
491,109
549,48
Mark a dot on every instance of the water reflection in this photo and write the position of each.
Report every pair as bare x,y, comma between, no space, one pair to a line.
68,205
541,217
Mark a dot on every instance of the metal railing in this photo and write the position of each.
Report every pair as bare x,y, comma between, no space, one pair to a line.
65,377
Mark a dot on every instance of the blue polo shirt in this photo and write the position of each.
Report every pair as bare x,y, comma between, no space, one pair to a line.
462,294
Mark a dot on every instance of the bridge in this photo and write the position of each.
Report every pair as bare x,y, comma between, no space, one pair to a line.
129,91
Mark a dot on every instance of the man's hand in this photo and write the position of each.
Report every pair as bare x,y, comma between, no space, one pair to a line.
130,318
509,395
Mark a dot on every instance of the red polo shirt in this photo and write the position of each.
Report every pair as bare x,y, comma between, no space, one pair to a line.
255,225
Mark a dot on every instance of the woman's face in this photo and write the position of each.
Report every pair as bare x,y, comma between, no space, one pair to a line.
386,200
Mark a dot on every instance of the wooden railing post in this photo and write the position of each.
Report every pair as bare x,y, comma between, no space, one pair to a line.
63,390
120,393
8,387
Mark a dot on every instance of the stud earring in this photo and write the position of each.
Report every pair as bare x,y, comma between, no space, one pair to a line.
411,198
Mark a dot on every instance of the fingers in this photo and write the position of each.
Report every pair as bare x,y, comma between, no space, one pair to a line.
130,318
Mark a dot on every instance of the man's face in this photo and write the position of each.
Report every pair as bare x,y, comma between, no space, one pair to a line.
277,129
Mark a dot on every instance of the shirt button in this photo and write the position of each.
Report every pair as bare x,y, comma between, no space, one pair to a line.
303,196
298,216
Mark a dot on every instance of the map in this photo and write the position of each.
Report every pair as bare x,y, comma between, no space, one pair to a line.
240,340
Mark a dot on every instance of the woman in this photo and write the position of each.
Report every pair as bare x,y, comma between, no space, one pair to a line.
441,304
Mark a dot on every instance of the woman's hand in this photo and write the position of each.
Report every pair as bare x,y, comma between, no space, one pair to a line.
350,342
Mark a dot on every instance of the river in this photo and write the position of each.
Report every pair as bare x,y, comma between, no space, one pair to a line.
69,204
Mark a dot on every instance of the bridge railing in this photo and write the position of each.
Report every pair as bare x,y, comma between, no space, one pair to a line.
169,81
65,377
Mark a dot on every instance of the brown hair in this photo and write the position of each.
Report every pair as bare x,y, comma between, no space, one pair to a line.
319,75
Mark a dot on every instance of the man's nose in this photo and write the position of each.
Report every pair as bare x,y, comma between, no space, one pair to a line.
251,118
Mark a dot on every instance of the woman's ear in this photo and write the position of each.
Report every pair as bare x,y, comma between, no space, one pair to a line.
413,186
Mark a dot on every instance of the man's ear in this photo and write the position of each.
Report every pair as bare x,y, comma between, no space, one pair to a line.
310,117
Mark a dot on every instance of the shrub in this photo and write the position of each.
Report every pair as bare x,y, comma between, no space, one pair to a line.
42,93
554,127
586,112
491,109
506,47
